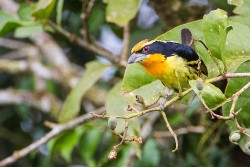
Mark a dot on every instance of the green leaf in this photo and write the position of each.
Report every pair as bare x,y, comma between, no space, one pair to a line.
24,13
222,5
235,2
242,13
94,70
116,105
215,28
96,19
8,22
150,155
196,29
233,86
135,76
24,32
212,95
89,144
65,143
236,52
150,93
124,156
244,143
43,9
121,12
59,10
237,48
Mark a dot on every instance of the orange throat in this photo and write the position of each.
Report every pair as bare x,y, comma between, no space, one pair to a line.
155,65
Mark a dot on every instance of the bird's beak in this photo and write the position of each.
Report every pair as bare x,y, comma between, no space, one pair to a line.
136,57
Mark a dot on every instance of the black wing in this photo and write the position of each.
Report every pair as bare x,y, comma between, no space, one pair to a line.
186,37
172,48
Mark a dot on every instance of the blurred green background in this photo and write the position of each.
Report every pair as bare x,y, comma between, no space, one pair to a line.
34,84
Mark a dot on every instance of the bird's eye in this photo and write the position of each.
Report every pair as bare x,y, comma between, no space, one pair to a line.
146,48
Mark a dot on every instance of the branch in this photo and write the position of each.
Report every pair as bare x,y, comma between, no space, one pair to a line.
238,93
140,113
44,102
94,47
14,55
58,129
35,67
228,75
241,129
49,48
86,11
170,130
210,111
146,131
175,98
123,136
232,113
126,37
56,56
234,98
171,101
13,44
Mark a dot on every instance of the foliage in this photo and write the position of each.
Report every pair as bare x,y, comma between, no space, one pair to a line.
71,108
121,12
127,94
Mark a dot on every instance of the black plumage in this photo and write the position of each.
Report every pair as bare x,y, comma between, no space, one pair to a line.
172,48
169,48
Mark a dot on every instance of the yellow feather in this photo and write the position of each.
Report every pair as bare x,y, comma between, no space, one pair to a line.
141,44
166,69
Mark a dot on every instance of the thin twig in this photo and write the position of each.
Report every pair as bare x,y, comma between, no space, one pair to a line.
210,111
126,37
241,129
175,98
234,98
232,113
140,113
13,44
170,130
94,47
86,11
238,93
58,129
228,75
124,135
35,67
146,131
45,102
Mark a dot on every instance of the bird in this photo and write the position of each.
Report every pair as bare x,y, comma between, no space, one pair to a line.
173,63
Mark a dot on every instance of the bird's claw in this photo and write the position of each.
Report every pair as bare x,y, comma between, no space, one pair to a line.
164,101
161,105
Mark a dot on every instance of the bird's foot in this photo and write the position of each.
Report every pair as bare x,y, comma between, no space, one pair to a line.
161,105
165,100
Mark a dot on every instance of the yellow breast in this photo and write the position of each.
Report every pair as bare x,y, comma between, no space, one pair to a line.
169,71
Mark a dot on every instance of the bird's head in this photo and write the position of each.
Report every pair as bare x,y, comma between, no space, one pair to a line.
140,51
